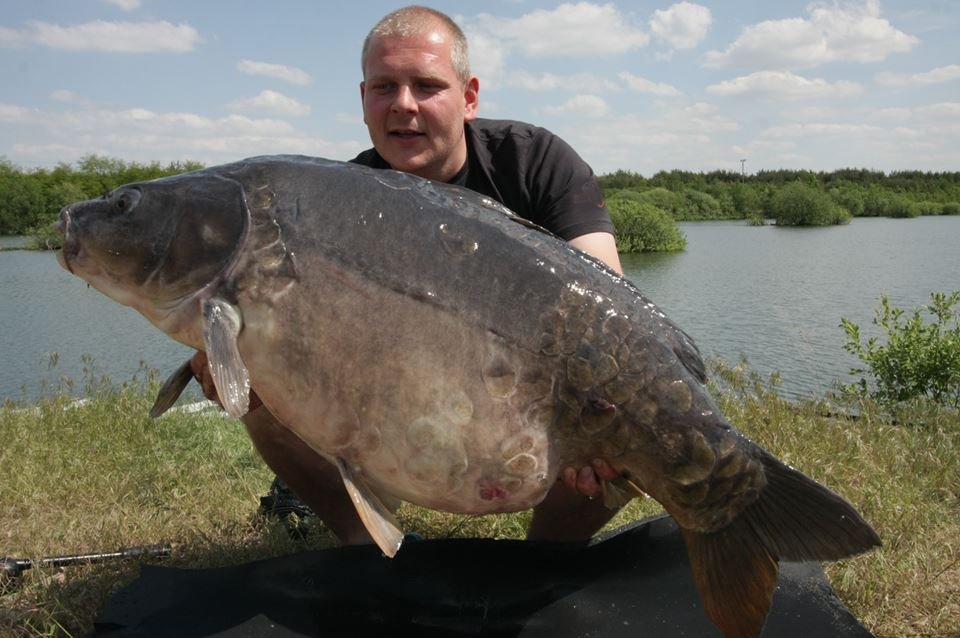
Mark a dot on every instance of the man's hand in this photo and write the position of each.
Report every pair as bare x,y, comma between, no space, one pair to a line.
200,366
588,478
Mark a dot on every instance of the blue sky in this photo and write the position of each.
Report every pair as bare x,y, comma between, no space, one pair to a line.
642,85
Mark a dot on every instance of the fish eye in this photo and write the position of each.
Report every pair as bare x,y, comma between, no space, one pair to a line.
127,200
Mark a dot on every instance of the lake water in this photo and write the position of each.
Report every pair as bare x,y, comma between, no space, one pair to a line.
772,295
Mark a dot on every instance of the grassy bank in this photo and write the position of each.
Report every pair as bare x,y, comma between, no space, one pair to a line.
102,475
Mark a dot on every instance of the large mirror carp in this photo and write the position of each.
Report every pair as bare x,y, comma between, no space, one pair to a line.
440,350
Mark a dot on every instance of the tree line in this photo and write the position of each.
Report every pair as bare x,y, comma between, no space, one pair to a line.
644,210
788,197
731,195
31,200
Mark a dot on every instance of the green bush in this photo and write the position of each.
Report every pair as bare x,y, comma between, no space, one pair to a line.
919,359
951,208
901,207
927,207
878,202
798,204
642,227
724,197
747,201
665,200
850,197
700,205
631,194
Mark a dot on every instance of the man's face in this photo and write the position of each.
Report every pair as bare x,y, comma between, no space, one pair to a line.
414,105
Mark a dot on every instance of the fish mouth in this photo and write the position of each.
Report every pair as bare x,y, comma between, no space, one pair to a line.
70,249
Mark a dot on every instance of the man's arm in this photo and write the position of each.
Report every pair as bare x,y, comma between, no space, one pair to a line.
600,245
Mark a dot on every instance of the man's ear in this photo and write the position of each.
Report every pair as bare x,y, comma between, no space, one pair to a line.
471,98
363,92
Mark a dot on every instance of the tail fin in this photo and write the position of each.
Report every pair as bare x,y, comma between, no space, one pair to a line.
735,576
795,519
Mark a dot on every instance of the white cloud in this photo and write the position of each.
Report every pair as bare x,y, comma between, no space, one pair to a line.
112,37
490,107
893,114
69,97
682,26
783,85
138,134
570,30
272,102
125,5
487,55
669,136
941,111
290,74
582,105
14,113
820,129
12,38
553,82
831,33
643,85
700,117
354,119
692,124
764,147
811,112
939,75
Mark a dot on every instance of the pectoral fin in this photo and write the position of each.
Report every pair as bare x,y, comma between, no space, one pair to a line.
221,327
379,521
171,390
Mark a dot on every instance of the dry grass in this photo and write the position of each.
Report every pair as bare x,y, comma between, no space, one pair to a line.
904,478
104,476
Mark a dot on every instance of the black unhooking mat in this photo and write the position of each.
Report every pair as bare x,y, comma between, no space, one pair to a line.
632,582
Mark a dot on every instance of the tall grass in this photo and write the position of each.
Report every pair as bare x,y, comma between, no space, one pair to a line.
102,475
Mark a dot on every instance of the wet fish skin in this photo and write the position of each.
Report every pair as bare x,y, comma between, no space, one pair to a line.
440,350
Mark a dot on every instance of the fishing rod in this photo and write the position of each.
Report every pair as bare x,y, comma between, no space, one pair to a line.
13,568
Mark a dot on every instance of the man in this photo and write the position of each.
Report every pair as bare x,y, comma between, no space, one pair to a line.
420,107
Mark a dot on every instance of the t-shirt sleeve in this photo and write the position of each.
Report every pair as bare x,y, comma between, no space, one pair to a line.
563,190
370,158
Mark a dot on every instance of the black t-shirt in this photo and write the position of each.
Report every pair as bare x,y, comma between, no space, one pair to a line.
532,172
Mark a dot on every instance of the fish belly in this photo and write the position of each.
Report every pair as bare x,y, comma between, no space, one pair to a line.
424,405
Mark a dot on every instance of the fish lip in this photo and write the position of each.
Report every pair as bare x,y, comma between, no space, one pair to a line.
70,248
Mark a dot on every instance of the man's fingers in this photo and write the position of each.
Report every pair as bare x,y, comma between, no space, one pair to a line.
201,371
198,364
587,482
603,470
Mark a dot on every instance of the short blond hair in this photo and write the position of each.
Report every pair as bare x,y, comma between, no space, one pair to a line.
417,20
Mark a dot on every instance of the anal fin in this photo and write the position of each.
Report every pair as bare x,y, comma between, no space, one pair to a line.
379,521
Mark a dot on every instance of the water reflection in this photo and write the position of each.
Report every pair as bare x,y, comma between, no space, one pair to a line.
776,295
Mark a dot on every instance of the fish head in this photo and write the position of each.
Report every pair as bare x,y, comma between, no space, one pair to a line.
156,245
